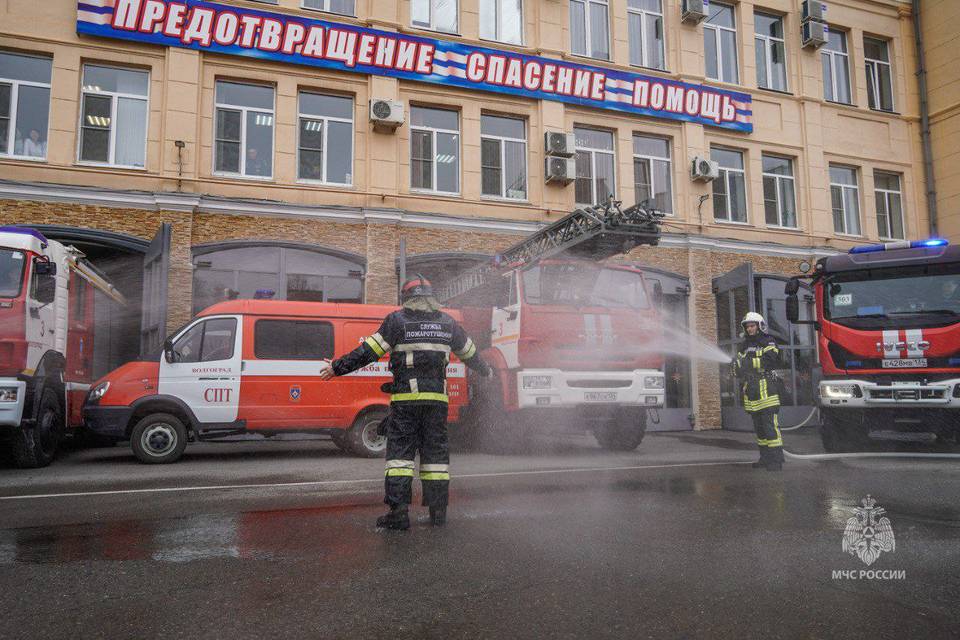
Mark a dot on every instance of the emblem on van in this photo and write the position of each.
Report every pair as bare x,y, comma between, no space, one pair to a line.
295,393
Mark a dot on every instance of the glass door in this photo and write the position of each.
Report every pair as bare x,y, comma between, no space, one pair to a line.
735,296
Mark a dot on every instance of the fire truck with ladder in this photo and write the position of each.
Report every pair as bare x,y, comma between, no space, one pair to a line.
888,325
46,342
572,340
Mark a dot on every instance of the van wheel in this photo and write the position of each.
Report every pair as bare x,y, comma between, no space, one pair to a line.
362,438
37,446
158,439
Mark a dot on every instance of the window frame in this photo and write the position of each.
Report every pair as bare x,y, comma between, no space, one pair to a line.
833,55
203,337
646,14
433,25
725,176
777,177
887,193
114,97
323,152
433,141
497,12
716,35
587,43
501,140
768,44
651,159
241,175
326,3
842,186
593,151
872,70
14,103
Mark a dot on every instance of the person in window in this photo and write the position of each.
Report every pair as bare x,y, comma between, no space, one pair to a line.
419,338
256,164
757,357
951,294
33,146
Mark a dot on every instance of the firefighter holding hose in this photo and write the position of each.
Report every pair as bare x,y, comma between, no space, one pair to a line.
419,338
757,357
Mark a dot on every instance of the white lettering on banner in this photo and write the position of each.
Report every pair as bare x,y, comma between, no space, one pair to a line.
692,106
710,106
153,14
200,28
125,15
729,111
173,25
641,89
365,51
674,99
313,46
294,37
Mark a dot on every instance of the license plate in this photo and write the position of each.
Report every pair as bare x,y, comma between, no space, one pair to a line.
600,396
904,363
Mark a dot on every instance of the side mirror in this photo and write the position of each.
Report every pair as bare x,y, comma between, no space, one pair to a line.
168,353
512,315
793,308
45,268
792,287
46,291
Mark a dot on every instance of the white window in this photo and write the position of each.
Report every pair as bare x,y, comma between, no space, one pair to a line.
243,130
889,205
434,150
595,161
438,15
720,43
113,120
343,7
779,192
876,54
652,173
24,105
771,52
503,157
589,30
836,68
729,190
502,20
646,33
845,200
325,150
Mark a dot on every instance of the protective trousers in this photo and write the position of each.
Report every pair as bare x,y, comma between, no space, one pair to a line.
417,426
766,424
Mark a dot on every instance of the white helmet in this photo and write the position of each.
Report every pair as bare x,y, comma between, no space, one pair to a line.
753,316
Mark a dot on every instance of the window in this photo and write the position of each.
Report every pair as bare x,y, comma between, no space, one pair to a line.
845,200
343,7
889,205
779,192
729,190
113,125
438,15
292,340
207,341
836,68
24,105
244,130
503,157
652,178
325,152
589,34
434,150
720,43
646,33
771,52
502,20
595,160
278,272
876,55
11,273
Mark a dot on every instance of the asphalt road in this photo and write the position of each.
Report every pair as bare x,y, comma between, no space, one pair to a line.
276,539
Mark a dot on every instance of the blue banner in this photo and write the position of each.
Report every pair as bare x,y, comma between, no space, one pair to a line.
207,26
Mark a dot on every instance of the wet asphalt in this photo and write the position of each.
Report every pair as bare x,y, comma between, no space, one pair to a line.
679,539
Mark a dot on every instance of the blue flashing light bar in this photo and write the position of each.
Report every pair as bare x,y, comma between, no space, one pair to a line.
27,231
903,244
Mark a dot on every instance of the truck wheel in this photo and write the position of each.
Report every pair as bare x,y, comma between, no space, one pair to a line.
158,439
37,446
362,438
622,433
843,434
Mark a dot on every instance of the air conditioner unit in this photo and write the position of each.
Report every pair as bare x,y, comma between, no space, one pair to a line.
559,170
704,169
812,10
558,143
813,35
386,114
693,11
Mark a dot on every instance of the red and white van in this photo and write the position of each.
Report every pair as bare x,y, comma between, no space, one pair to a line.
252,366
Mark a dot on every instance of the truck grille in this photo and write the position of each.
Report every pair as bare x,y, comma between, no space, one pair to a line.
907,394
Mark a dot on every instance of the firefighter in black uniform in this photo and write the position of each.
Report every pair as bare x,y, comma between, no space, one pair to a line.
757,357
419,338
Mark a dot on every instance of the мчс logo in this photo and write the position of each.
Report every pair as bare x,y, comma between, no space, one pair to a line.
868,533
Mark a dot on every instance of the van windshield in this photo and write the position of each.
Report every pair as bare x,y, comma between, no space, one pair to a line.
11,272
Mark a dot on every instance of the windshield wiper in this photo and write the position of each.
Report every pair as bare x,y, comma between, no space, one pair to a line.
942,312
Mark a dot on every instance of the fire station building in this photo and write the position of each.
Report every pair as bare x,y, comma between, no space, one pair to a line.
198,151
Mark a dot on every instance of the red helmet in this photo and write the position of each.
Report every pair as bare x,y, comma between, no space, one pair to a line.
418,286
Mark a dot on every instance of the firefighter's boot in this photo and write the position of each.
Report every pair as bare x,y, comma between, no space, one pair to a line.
438,516
397,519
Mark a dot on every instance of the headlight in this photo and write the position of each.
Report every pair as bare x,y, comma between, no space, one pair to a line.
98,392
840,391
653,382
8,394
537,382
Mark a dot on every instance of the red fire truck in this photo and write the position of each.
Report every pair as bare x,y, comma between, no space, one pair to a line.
46,341
888,323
